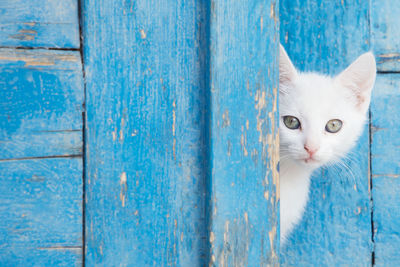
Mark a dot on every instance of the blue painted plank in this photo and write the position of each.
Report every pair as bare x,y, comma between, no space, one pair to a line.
326,36
146,74
336,31
385,34
39,23
41,212
41,98
385,167
244,152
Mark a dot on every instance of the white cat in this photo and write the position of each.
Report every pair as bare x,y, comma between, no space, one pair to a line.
321,119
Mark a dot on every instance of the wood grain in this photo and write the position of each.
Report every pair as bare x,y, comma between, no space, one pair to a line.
385,34
152,154
385,145
146,77
41,212
41,100
244,139
385,169
39,23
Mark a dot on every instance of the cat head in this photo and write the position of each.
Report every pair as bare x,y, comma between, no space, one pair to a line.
321,117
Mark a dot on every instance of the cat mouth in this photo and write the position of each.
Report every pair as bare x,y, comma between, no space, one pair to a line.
310,160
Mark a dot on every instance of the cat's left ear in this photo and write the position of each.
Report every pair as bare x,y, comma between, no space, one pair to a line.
360,78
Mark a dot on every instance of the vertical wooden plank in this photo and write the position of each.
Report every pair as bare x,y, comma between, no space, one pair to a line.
385,34
39,23
244,227
146,74
326,36
385,145
385,162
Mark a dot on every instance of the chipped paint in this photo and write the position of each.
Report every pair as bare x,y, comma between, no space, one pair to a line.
22,37
173,128
266,195
226,231
28,31
212,259
273,144
173,117
357,211
389,55
121,133
212,237
273,14
243,143
30,23
272,10
260,105
114,135
122,182
261,23
225,119
46,59
272,236
142,34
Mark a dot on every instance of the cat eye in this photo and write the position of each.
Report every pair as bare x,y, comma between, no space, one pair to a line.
333,126
291,122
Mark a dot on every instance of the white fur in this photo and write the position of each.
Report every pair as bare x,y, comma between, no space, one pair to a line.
315,99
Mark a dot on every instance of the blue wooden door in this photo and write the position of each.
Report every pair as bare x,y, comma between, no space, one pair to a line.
139,133
144,133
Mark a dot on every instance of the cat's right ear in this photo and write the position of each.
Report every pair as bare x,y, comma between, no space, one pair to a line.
287,71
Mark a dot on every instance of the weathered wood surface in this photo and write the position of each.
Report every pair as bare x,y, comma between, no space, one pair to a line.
146,76
41,212
147,67
244,152
41,98
326,36
39,23
385,144
385,32
385,168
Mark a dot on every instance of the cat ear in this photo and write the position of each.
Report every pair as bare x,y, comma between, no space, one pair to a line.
360,78
287,72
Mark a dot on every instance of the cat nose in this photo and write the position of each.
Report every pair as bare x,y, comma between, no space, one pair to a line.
310,150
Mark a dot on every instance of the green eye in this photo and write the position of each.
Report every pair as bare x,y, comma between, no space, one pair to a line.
333,126
291,122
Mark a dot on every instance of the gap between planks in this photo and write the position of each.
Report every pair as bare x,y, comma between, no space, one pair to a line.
43,157
39,48
60,248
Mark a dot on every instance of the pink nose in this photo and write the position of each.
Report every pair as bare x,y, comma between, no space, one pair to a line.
310,151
